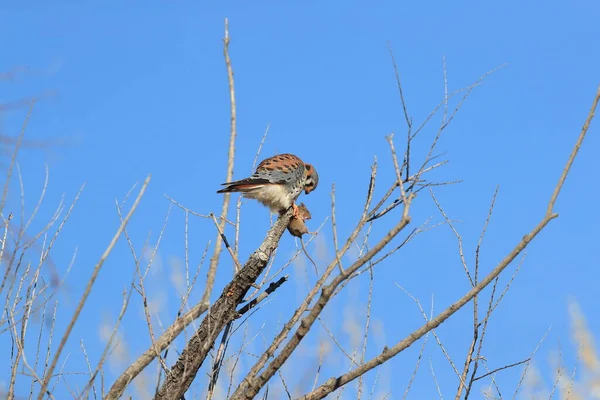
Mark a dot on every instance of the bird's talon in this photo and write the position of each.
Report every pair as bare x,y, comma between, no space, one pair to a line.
296,211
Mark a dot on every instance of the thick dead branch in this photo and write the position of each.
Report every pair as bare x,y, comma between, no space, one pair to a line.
218,363
149,355
222,312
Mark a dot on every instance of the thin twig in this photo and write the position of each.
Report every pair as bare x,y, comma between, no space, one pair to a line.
334,230
273,286
236,263
407,118
437,385
526,369
216,368
427,319
194,213
214,260
417,364
239,200
502,368
366,334
14,156
88,289
458,238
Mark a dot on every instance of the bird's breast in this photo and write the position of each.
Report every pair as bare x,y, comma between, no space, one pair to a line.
276,197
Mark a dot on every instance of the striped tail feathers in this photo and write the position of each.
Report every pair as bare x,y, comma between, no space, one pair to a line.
243,185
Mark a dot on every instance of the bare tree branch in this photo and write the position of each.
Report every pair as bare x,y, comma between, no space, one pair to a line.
336,382
223,311
214,260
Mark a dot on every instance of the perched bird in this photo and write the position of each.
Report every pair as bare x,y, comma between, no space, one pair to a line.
277,182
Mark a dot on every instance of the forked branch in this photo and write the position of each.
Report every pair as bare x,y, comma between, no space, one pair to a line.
336,382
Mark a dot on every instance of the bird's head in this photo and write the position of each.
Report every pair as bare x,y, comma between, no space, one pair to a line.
312,179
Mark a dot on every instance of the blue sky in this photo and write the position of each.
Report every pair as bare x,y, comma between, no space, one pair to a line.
138,90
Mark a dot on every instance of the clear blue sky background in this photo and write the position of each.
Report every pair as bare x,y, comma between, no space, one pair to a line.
142,89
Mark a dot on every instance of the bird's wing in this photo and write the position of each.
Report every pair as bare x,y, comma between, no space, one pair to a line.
279,170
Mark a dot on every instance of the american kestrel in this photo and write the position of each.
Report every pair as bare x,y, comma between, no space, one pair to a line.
277,182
